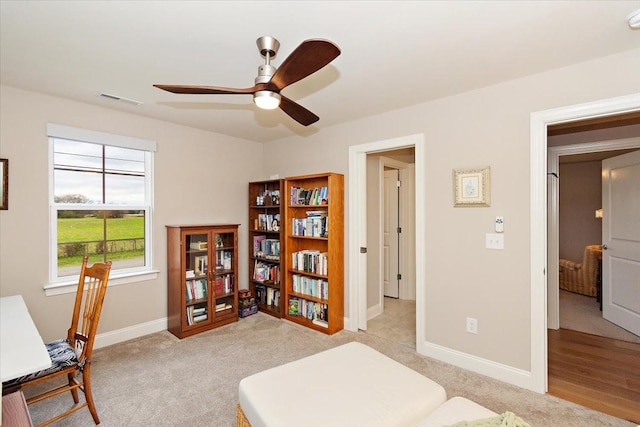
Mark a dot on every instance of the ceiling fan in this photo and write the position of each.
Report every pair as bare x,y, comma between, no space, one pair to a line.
310,56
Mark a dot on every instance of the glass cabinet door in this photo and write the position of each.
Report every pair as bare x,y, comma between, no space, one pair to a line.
224,274
197,306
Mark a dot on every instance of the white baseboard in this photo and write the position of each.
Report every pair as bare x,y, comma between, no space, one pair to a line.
508,374
130,332
374,311
348,326
499,371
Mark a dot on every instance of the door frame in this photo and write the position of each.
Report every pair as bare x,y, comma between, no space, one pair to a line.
357,286
553,239
539,122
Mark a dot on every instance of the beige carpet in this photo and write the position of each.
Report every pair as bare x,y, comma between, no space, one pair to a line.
159,380
397,322
582,313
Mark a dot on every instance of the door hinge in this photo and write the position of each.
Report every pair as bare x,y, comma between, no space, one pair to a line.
399,230
363,250
398,184
399,276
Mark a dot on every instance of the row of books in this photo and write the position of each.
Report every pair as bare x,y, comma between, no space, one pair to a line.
310,286
310,260
267,296
267,222
268,197
200,265
223,284
310,226
224,260
223,306
314,196
266,248
196,314
196,289
266,272
316,312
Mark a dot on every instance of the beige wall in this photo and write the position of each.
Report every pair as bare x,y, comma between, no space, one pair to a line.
580,195
197,179
489,126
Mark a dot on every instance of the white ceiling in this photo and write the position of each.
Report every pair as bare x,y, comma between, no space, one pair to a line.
394,53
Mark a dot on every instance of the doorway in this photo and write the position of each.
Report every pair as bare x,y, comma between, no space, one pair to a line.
587,151
540,122
390,245
358,228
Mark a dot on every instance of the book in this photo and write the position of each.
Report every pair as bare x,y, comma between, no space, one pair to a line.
200,265
294,307
199,246
258,246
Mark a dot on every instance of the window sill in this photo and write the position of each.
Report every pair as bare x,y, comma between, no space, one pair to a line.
69,287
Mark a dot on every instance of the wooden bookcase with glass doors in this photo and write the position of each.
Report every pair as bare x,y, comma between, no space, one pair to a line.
266,213
202,277
314,251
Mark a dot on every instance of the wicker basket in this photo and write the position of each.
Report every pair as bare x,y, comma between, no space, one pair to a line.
241,419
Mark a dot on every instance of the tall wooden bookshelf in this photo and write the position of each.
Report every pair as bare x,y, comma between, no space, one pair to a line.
202,278
314,251
266,213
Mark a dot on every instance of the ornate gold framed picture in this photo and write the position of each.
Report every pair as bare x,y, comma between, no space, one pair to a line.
472,187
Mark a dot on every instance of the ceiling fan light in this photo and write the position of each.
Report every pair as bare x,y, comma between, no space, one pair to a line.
266,99
634,19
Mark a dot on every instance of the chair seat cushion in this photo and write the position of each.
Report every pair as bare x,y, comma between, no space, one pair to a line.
62,356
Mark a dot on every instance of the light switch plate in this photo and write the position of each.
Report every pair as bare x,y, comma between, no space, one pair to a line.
494,241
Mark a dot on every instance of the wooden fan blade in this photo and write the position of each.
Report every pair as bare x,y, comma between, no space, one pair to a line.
297,112
208,90
305,60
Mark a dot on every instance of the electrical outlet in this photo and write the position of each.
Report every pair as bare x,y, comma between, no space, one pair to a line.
472,325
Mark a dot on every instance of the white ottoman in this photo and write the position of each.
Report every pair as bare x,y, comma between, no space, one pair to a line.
350,385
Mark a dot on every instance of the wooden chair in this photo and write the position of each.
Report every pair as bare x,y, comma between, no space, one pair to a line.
73,354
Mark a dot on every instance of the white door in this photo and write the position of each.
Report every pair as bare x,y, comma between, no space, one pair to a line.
390,234
621,241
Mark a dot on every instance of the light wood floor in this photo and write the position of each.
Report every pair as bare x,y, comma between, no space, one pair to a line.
596,372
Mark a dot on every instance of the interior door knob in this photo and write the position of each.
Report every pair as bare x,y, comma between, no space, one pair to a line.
604,247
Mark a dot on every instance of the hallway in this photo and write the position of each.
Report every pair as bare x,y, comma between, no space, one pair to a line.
397,323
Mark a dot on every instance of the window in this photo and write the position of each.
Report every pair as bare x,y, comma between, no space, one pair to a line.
101,202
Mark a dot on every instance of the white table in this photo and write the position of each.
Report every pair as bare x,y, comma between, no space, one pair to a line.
22,350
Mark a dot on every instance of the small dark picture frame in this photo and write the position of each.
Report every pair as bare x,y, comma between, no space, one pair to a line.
4,184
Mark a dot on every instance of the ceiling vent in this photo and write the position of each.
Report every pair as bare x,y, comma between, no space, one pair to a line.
121,99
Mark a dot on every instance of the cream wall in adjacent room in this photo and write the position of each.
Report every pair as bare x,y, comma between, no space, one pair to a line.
197,180
580,194
489,126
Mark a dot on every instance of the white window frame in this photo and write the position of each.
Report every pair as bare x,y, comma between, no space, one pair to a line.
69,284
